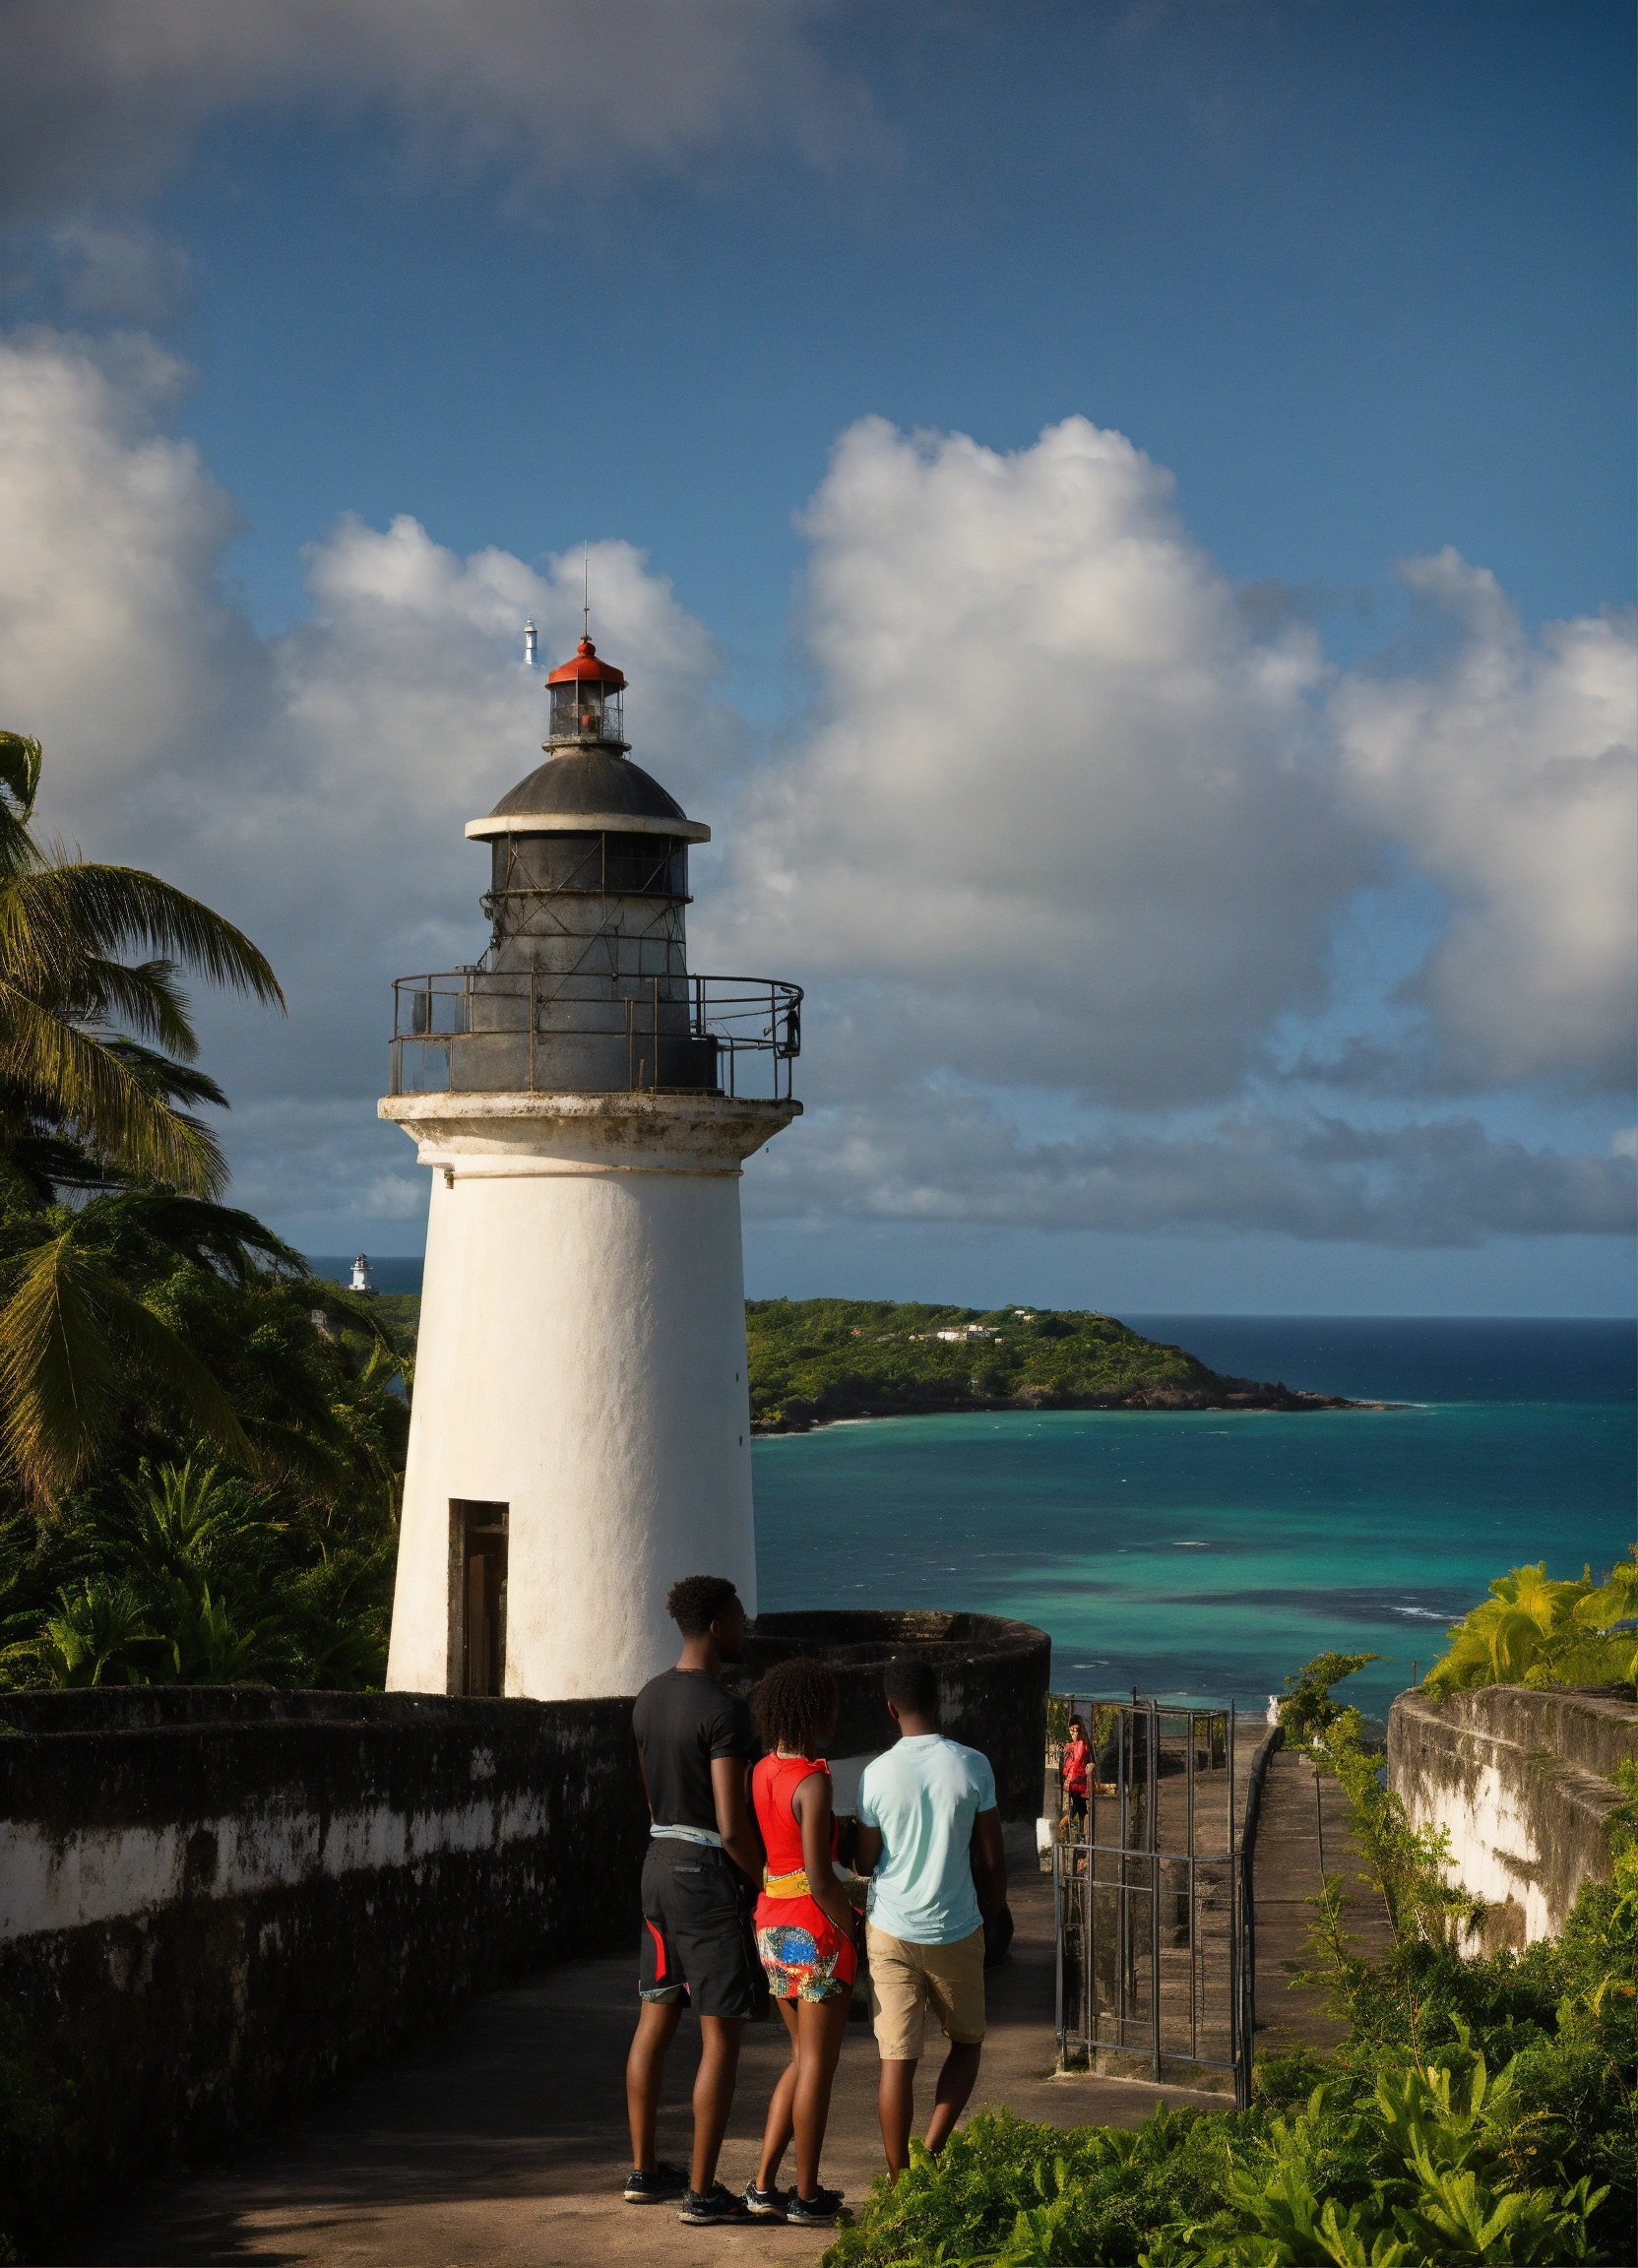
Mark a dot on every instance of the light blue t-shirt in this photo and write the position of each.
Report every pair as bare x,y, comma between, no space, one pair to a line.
924,1795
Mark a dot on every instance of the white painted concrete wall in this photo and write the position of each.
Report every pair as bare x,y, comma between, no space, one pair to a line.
119,1873
582,1360
1495,1849
1519,1780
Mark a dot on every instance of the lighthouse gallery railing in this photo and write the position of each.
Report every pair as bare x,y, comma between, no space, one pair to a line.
752,1024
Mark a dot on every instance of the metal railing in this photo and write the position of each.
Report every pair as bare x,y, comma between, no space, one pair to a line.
1156,1960
495,1031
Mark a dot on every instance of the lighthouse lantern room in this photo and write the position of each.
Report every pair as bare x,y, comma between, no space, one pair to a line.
587,700
580,1433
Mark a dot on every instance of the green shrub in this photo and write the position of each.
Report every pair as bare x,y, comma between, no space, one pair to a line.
1479,2111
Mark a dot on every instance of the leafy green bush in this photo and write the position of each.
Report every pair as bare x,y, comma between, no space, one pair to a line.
1532,1631
1004,2188
190,1575
1479,2111
1309,1708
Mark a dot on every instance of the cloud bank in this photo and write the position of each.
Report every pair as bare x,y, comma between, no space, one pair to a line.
1065,834
104,99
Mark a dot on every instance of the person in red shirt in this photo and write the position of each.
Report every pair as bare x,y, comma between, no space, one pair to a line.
804,1931
1076,1758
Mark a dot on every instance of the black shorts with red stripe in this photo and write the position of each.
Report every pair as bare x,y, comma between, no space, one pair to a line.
697,1945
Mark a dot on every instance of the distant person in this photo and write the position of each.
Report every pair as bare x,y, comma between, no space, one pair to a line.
804,1931
1077,1757
929,1833
695,1745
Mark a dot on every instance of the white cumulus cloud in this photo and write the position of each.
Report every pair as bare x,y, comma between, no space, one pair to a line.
1062,819
1507,774
1061,825
313,785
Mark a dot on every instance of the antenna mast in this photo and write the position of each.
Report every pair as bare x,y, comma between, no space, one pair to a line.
586,593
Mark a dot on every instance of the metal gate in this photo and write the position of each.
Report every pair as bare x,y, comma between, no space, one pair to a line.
1156,1956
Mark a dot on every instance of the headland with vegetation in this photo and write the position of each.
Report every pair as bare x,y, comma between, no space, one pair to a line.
816,1360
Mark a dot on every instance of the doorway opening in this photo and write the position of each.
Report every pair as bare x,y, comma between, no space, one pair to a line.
477,1551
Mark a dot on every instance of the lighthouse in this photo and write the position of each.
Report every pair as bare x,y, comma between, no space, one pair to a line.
580,1433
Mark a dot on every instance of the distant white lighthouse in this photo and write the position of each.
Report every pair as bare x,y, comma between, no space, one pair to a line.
579,1435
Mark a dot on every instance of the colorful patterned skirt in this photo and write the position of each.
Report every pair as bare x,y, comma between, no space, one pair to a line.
806,1955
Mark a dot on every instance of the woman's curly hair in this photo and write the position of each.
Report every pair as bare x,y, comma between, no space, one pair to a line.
796,1704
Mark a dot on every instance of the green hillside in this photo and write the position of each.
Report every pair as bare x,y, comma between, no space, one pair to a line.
814,1360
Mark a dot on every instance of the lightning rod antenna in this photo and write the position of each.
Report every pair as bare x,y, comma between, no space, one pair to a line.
586,593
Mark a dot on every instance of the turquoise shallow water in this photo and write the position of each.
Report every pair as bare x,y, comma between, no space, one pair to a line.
1206,1553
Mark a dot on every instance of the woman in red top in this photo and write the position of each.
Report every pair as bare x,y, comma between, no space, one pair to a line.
804,1930
1076,1757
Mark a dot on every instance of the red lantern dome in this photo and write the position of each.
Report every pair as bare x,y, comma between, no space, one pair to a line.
586,699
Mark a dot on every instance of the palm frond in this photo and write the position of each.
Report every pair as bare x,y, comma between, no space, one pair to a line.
210,1235
116,910
144,995
67,1332
58,1380
165,1363
100,1098
19,776
164,1075
49,1163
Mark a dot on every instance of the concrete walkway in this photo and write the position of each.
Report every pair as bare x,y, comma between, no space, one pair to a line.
1302,1830
502,2139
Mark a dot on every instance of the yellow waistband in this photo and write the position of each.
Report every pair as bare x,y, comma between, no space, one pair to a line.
794,1885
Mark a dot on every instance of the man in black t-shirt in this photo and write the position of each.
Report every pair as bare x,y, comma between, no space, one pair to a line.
696,1745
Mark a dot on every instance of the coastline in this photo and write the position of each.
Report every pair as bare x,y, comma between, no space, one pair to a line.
1221,1396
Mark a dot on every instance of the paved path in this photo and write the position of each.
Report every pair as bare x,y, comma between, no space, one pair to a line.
502,2139
1303,1817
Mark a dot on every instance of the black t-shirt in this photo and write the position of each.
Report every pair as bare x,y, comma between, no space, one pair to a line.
682,1720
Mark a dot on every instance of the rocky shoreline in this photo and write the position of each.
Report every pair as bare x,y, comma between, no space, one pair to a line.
800,1416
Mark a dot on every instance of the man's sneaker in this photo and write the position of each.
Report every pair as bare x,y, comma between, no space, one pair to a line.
816,2212
713,2205
656,2188
764,2204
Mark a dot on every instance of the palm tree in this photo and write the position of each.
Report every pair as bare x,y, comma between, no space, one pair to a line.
96,1048
96,1051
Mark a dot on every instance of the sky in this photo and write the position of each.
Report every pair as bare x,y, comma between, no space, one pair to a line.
1118,513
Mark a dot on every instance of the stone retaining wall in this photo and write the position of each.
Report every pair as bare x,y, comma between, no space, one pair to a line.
214,1903
1521,1782
993,1680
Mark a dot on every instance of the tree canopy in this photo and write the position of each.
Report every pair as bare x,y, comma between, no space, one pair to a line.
200,1448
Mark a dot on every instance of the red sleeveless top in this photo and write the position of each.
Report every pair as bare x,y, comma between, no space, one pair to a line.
774,1783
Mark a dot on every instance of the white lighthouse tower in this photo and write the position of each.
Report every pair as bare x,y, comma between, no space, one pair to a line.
580,1434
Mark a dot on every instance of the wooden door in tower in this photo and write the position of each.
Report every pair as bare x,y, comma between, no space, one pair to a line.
478,1535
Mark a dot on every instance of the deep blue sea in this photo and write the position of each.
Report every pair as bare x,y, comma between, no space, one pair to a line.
1209,1553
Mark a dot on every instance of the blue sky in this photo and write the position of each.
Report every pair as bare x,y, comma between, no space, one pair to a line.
1355,287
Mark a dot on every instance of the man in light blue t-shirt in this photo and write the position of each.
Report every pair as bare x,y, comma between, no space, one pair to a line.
929,1833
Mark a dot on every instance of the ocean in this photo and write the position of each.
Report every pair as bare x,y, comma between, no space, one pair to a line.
1204,1555
1208,1554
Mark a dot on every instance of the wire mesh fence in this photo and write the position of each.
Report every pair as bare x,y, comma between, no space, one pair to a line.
1155,1949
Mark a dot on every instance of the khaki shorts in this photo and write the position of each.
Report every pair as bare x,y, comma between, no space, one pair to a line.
907,1979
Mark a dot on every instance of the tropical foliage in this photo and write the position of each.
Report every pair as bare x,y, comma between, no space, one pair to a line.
1532,1631
199,1449
1307,1709
1479,2111
96,1049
